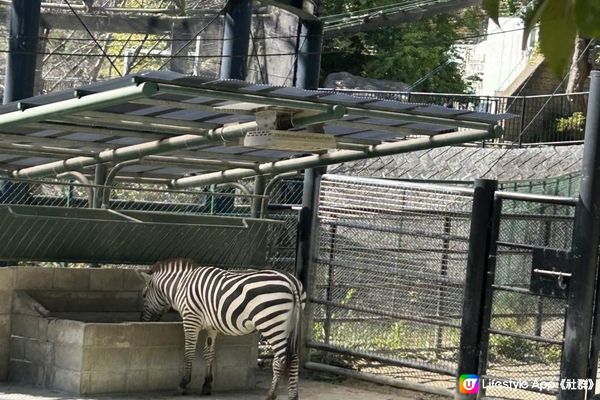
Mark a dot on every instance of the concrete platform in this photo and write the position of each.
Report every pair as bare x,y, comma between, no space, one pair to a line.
309,390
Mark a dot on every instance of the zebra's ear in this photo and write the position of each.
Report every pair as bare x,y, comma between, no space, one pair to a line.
144,276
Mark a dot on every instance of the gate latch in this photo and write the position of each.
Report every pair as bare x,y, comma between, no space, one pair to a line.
550,272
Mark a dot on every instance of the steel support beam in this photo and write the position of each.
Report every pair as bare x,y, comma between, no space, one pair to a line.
86,103
259,190
23,46
339,156
309,55
584,256
137,151
236,39
479,245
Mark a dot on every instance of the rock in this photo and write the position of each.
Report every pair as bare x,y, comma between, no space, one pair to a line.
345,80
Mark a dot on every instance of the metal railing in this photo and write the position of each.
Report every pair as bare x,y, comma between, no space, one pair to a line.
540,119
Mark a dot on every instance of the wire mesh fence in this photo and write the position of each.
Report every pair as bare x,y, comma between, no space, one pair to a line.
389,281
526,329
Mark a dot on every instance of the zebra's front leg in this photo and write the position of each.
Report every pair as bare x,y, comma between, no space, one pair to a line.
293,378
278,371
191,329
209,356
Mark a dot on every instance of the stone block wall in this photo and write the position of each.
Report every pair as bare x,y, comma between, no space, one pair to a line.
57,349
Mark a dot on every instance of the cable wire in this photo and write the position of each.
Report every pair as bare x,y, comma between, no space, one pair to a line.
93,37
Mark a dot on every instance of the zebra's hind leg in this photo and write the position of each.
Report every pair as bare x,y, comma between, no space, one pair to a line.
278,371
209,356
191,330
293,378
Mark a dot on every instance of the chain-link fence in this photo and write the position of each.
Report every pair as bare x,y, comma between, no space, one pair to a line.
526,329
388,293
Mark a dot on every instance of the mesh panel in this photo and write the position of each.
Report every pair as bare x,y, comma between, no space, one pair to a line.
526,330
389,279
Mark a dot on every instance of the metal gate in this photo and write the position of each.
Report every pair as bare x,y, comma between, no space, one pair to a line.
389,277
525,296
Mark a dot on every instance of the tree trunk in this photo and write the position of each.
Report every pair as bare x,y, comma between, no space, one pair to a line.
579,74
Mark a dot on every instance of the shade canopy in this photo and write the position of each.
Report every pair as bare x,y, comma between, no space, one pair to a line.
180,126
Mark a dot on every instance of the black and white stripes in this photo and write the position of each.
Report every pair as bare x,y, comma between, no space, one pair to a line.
230,303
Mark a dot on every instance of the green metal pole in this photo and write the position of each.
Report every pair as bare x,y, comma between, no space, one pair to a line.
339,156
86,103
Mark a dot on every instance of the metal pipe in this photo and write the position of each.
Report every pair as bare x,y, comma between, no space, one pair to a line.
379,379
579,345
110,177
335,112
81,178
309,54
259,190
236,37
322,106
23,48
237,185
338,156
272,182
137,151
89,102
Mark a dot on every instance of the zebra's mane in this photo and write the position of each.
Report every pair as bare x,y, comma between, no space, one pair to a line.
184,263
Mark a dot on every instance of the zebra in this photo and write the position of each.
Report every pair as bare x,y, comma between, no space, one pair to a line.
230,303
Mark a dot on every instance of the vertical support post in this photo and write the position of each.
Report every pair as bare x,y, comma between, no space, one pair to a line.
306,246
308,65
522,121
22,49
236,39
259,190
578,346
480,239
99,179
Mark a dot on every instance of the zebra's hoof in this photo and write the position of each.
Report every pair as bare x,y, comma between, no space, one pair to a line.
180,391
206,390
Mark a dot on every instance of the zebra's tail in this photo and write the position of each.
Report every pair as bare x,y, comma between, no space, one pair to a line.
294,331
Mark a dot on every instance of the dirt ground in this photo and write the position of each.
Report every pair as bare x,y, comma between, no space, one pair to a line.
310,389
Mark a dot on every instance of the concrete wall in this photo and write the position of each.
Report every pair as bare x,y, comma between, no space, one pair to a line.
56,349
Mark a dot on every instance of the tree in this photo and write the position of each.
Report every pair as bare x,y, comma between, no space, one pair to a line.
420,52
561,22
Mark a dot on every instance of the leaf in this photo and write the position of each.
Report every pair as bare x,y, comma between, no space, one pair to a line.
557,34
492,8
587,16
531,18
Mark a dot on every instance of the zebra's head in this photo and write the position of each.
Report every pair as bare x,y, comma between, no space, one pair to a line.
155,301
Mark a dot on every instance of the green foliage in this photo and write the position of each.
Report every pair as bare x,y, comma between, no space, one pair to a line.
560,22
572,127
405,53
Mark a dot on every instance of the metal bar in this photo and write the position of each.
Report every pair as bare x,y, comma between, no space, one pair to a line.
525,336
309,54
385,360
265,204
336,157
137,151
579,345
403,184
477,263
99,180
537,198
490,276
330,282
413,318
89,102
23,47
442,290
379,379
259,189
110,177
81,178
236,37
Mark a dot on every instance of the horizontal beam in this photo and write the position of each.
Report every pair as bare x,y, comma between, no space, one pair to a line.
336,157
86,103
136,151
